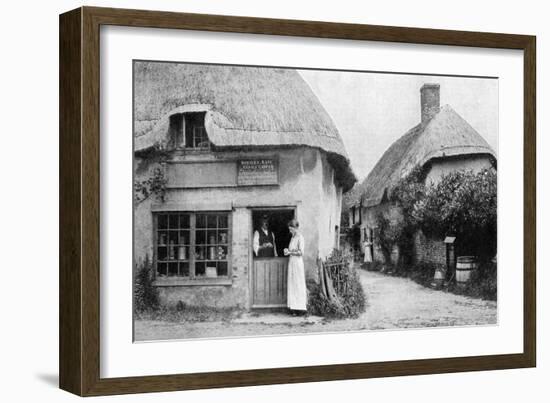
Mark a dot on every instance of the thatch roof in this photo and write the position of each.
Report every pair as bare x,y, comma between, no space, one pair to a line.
245,107
446,135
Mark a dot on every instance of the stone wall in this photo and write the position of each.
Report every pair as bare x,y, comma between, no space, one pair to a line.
428,250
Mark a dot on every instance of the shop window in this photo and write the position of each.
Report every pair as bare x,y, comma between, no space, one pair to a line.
192,245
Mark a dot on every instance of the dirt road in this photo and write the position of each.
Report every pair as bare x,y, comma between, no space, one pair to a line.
392,302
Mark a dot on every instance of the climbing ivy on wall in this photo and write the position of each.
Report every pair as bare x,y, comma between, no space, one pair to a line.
155,185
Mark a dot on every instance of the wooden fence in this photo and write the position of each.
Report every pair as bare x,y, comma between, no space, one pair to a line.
339,272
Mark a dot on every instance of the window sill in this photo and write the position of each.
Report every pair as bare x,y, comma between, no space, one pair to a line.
212,281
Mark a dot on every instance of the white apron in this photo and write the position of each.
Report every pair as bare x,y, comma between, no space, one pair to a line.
368,253
296,279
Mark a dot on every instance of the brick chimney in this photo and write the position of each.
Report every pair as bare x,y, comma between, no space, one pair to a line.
429,101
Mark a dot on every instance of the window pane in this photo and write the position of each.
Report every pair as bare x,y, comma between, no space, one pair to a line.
211,270
201,220
212,253
222,221
184,221
171,252
222,252
184,238
212,237
200,252
162,221
212,221
222,237
200,137
173,222
184,269
172,269
162,238
200,237
173,238
200,269
183,253
162,253
222,268
161,269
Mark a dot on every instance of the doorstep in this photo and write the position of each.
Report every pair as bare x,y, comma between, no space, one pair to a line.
276,319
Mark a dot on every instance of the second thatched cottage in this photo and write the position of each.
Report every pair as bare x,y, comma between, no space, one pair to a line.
443,142
216,148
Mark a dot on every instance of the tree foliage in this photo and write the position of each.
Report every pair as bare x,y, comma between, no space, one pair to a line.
388,235
463,204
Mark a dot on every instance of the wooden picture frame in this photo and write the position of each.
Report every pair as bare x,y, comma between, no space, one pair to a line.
79,348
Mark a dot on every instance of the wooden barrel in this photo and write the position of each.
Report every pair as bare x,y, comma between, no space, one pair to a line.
465,266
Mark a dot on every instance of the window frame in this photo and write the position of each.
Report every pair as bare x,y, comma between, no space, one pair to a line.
194,136
186,119
179,132
192,277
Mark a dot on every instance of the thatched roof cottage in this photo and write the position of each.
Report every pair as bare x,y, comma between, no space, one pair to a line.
441,143
230,145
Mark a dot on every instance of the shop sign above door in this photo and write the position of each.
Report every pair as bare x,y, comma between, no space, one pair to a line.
257,171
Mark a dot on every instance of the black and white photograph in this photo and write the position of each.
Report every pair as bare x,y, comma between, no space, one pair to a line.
274,200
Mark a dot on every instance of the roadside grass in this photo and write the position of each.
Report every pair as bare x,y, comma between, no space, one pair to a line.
185,313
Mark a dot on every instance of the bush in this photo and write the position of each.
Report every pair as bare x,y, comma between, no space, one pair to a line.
422,273
353,296
146,295
483,283
463,204
319,305
347,286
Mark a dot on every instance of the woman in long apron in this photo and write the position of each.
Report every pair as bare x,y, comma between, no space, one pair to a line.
368,251
296,279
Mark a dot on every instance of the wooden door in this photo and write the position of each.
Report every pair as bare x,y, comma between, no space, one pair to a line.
269,282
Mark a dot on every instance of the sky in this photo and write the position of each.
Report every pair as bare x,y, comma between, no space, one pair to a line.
372,110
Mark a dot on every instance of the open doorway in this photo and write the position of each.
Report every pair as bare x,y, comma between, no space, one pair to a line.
277,224
269,272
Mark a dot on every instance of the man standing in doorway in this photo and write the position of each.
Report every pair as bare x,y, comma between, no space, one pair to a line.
264,240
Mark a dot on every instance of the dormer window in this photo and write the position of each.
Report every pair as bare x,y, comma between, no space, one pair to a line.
188,131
